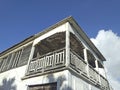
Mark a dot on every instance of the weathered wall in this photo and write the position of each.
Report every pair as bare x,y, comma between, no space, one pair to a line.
80,84
11,80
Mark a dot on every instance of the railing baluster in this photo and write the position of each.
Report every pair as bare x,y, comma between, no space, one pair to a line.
47,62
55,60
80,65
77,62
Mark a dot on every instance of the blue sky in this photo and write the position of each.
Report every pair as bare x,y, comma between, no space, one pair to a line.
20,19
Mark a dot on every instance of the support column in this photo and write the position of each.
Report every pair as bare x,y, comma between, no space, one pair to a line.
96,64
30,57
67,47
87,67
86,59
97,68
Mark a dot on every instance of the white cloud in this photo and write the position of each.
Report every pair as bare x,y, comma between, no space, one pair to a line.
109,44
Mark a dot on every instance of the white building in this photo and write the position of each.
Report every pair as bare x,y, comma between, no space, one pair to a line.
61,57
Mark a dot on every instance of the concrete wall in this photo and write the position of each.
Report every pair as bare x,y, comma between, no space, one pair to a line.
11,80
80,84
60,77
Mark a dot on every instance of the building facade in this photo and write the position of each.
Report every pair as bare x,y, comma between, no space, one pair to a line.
61,57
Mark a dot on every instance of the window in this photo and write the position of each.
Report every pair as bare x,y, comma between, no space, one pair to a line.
24,56
10,61
15,59
7,62
51,86
4,63
1,62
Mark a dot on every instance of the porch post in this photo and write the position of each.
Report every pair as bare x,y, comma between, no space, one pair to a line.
97,68
30,57
86,59
96,64
67,47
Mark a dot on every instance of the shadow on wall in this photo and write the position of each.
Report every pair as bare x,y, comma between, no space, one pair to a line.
8,84
61,80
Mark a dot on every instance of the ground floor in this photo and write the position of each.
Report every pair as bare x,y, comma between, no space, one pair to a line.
63,80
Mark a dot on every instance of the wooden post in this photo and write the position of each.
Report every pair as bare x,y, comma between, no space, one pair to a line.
96,64
86,59
67,45
30,57
97,68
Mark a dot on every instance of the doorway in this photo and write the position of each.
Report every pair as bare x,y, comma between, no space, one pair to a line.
50,86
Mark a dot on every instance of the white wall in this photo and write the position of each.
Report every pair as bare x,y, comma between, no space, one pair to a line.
11,80
60,77
65,80
80,84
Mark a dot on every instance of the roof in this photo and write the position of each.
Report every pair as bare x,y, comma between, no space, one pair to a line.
69,19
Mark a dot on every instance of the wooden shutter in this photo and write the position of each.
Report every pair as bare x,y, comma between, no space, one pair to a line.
7,62
1,62
25,56
16,57
4,63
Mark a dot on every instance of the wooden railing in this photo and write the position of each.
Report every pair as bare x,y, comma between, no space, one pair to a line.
93,74
78,62
79,65
55,61
49,61
104,83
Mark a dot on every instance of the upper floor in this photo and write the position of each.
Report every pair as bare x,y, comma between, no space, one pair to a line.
61,46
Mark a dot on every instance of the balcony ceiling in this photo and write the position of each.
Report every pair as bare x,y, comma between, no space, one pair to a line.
52,43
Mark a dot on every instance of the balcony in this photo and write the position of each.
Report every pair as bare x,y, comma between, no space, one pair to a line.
53,55
87,71
55,61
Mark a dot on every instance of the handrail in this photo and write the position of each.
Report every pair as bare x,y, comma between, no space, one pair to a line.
48,61
93,75
48,54
77,55
78,62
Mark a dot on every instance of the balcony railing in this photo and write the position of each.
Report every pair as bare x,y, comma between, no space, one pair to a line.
93,74
79,65
55,61
47,62
104,83
78,62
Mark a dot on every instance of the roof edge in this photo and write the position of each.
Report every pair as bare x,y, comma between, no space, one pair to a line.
69,19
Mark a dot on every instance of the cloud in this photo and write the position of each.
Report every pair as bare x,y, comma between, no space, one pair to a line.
109,44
